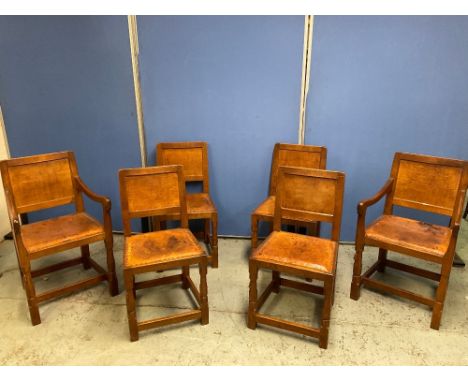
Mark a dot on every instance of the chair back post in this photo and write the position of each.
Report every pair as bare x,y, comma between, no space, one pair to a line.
427,183
309,195
294,155
79,203
193,156
152,191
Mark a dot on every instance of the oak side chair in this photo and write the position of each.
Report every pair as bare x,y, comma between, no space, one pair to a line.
287,155
193,156
157,191
421,182
305,195
43,181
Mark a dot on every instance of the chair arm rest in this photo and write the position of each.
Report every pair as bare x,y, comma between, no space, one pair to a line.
385,190
104,200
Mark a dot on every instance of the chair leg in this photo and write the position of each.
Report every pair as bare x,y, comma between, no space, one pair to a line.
204,292
85,256
382,260
214,241
276,280
185,275
254,228
325,323
440,297
31,297
206,231
357,269
111,275
155,224
131,305
333,291
253,271
317,229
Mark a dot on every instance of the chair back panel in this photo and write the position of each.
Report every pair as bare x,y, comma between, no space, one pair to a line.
193,156
309,195
428,183
40,181
152,191
290,155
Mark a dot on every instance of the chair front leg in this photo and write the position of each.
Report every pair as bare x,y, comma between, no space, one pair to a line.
325,322
440,296
357,269
31,294
204,291
131,305
253,272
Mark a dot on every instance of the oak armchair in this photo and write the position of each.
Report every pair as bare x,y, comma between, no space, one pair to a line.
426,183
43,181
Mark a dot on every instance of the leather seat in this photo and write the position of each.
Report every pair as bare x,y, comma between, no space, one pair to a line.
200,203
407,234
267,208
159,247
298,251
69,229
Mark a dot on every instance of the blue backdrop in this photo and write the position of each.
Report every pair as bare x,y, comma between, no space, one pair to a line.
66,84
386,84
231,81
378,85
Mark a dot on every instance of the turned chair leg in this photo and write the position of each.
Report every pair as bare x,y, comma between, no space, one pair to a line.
254,240
131,305
185,276
382,260
204,292
85,256
325,323
214,241
440,297
253,271
111,275
276,281
357,269
31,296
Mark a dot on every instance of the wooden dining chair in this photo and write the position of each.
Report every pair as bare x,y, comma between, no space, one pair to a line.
43,181
193,156
305,195
421,182
294,156
158,191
